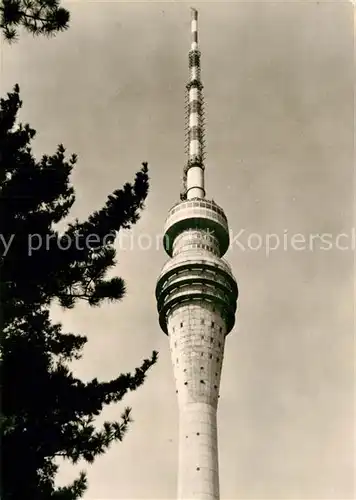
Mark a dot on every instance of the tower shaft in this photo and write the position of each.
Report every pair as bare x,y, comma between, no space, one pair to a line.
197,338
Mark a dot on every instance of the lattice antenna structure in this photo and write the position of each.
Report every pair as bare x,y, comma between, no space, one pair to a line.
193,174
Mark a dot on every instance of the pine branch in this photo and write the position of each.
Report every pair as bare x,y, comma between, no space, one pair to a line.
46,411
39,17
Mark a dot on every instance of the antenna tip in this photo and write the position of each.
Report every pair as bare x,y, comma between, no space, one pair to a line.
194,13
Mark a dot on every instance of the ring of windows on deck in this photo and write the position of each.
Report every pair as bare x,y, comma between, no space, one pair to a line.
193,239
184,264
195,276
211,205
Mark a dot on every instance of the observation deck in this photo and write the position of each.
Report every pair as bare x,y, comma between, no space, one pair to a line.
190,278
196,214
196,236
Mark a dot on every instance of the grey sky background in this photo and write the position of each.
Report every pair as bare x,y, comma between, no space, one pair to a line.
279,104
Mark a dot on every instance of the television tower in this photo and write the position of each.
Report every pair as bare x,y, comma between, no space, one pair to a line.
196,296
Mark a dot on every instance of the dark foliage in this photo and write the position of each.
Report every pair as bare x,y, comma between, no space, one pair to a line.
39,17
46,411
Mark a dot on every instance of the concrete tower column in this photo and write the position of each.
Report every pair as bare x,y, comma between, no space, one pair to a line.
196,299
197,337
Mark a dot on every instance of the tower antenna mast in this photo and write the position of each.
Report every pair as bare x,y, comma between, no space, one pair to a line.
193,175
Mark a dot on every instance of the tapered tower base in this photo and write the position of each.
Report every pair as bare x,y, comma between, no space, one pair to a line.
197,337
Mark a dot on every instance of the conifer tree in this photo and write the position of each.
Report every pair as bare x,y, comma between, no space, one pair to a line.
39,17
46,412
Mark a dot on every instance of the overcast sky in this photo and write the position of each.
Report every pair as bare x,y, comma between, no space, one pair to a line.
279,104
